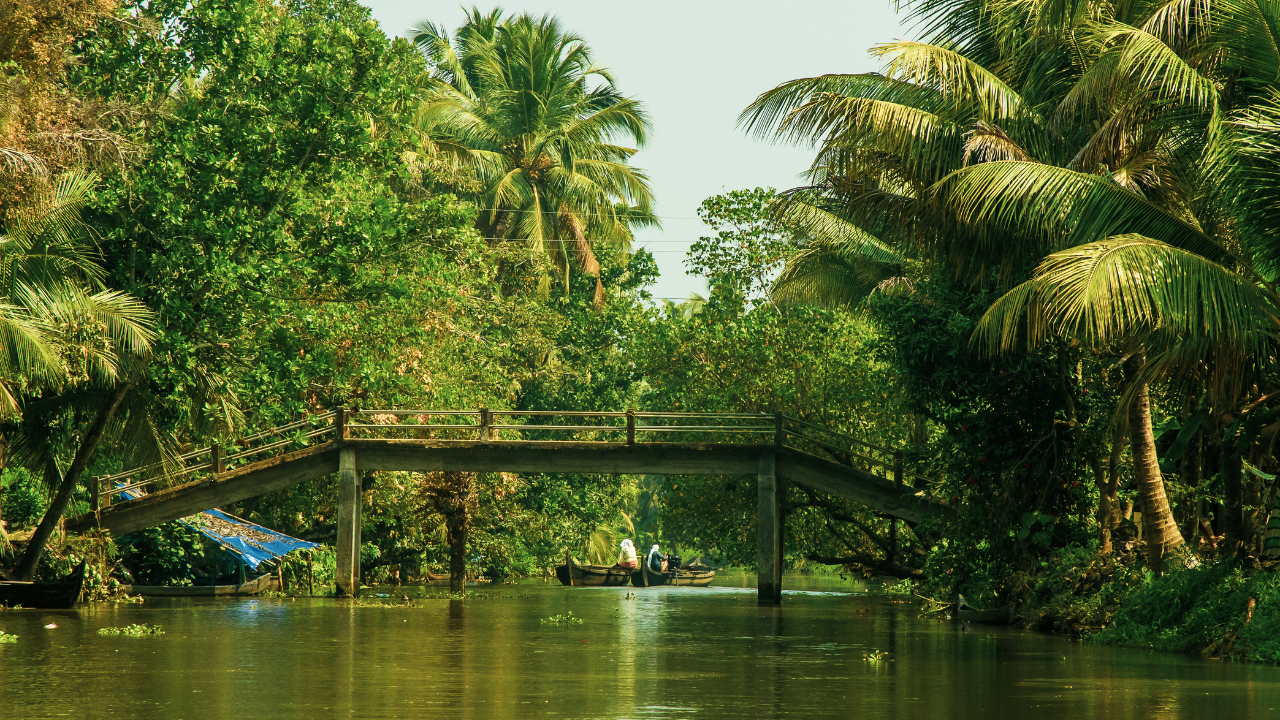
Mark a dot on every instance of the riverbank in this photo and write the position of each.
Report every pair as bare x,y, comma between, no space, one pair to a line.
1216,608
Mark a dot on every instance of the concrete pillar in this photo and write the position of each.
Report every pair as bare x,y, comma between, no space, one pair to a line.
348,523
769,515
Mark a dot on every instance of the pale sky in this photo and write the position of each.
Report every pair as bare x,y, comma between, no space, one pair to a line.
696,64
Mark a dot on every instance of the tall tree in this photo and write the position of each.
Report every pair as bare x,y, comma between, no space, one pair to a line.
521,104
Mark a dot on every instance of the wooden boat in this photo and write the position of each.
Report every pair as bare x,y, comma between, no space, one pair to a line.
433,578
574,573
991,616
689,576
57,594
252,586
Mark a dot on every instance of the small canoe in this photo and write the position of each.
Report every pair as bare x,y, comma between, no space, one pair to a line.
253,586
683,577
58,594
990,616
575,573
433,578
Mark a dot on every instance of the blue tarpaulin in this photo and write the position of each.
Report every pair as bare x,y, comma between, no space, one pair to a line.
251,543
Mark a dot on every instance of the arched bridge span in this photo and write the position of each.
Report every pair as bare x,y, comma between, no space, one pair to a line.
775,448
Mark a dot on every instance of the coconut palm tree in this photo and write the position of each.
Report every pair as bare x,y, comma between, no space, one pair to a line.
63,337
520,104
1109,140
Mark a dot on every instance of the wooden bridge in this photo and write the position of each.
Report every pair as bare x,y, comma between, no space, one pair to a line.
775,448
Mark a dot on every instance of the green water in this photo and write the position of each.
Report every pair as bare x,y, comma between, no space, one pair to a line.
666,653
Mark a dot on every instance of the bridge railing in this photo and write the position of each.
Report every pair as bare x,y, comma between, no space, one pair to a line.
216,458
485,425
846,449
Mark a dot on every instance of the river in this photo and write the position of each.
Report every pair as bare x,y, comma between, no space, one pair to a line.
639,653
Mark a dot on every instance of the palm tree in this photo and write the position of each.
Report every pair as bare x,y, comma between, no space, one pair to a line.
63,337
520,104
1110,140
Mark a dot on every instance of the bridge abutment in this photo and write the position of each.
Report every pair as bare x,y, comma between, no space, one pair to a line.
769,560
348,577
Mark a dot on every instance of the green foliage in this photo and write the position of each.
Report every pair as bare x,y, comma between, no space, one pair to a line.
7,638
136,630
310,571
731,355
1010,452
25,497
162,555
565,619
749,244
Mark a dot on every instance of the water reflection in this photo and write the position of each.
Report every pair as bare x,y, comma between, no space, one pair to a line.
664,653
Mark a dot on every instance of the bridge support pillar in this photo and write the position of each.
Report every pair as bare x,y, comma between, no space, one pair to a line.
348,579
769,561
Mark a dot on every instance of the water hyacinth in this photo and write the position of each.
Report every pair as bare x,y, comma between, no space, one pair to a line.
137,630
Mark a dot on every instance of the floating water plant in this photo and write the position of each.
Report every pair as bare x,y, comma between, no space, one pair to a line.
132,630
566,619
6,637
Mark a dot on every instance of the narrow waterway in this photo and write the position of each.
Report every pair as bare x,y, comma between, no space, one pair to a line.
639,653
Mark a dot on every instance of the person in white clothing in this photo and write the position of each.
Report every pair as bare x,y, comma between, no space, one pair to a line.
656,561
627,556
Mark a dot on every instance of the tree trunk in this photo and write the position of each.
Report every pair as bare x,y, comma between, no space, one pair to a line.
457,525
1109,511
1159,528
26,569
1232,487
1190,470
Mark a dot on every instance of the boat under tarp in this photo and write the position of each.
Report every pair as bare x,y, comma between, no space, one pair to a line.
250,543
251,586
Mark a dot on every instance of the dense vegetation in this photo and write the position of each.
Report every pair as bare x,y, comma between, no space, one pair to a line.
1035,254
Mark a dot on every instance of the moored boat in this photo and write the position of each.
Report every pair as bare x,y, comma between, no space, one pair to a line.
689,576
990,616
251,586
57,594
575,573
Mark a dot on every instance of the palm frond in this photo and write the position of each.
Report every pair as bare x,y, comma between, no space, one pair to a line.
956,77
1052,208
1130,288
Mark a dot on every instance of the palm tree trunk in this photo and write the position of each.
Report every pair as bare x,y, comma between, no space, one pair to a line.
26,569
1159,528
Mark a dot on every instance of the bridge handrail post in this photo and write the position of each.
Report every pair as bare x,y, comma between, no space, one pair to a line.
779,430
217,459
486,424
340,424
631,426
893,522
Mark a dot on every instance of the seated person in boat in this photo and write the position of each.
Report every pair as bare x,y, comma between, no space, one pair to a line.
627,557
656,560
